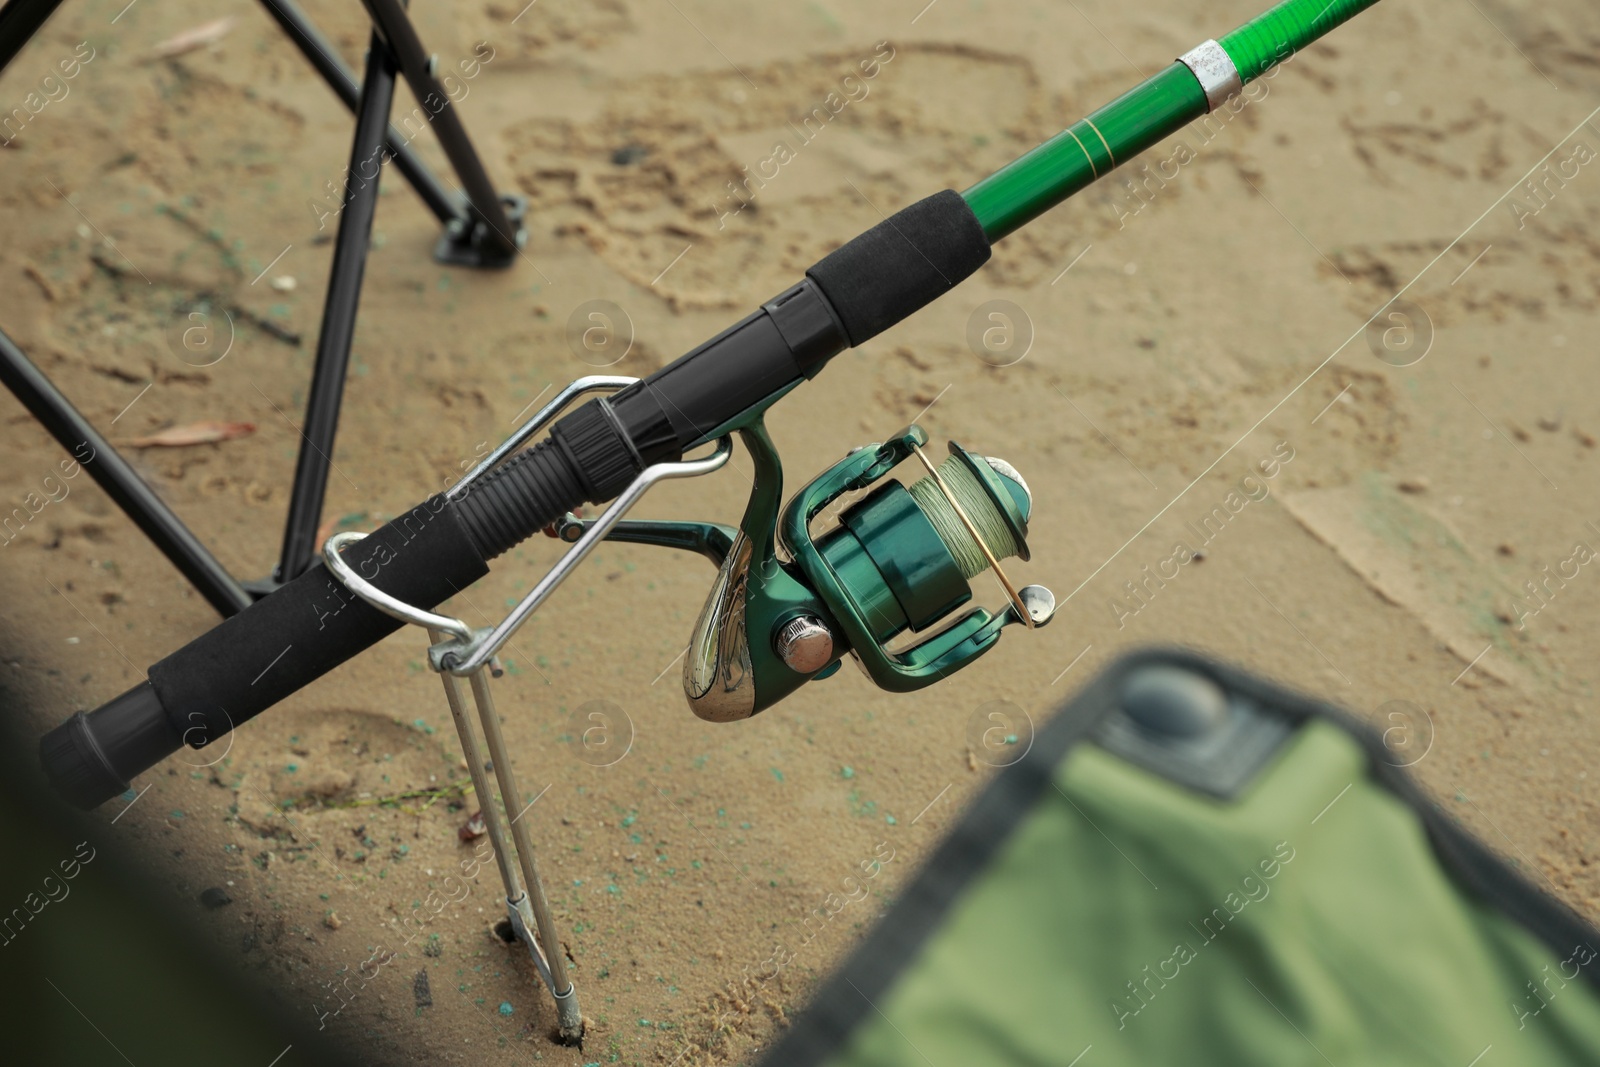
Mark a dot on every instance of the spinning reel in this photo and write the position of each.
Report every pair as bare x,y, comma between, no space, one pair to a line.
897,559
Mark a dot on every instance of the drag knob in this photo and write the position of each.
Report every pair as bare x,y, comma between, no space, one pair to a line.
805,644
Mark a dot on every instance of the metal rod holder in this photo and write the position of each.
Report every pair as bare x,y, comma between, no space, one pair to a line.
527,907
465,656
517,900
458,652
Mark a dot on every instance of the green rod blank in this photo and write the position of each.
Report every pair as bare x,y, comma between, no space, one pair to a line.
1274,36
1092,147
1083,152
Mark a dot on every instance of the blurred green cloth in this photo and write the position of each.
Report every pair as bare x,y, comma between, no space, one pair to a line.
1129,921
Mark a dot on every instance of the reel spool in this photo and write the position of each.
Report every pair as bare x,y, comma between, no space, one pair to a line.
905,555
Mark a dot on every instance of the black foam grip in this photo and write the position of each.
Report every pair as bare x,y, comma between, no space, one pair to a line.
902,264
313,624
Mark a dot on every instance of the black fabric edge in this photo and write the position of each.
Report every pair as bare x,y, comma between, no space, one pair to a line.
896,941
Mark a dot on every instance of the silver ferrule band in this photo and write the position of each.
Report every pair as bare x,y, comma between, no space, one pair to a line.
1213,68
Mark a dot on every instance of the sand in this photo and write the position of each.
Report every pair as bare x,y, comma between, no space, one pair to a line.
1185,330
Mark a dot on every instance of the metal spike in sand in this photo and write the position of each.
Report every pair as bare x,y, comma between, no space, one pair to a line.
527,907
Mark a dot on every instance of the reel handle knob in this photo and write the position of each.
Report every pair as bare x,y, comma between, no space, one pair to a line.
805,644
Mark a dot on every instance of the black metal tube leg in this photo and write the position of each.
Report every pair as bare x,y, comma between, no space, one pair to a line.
501,233
339,314
113,474
19,21
321,54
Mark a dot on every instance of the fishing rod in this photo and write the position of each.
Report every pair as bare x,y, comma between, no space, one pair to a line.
898,559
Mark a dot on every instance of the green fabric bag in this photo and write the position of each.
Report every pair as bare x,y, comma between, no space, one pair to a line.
1088,911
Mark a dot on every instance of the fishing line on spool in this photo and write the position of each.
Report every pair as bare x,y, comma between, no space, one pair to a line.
980,507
